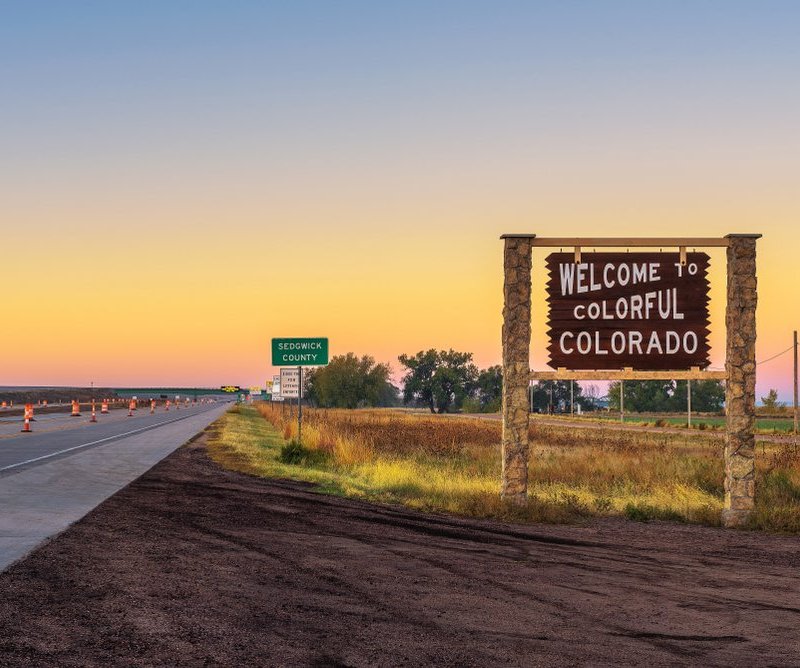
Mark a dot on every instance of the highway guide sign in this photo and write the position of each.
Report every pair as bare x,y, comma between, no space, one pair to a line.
647,311
290,383
299,352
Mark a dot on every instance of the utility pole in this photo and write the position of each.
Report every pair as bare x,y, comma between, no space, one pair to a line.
689,403
795,382
571,398
300,405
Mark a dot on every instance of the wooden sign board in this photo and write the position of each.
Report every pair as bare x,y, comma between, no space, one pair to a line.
647,311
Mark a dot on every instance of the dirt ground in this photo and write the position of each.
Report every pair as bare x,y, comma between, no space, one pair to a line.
192,565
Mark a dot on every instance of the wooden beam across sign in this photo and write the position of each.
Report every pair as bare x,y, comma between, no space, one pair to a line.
622,242
625,242
629,374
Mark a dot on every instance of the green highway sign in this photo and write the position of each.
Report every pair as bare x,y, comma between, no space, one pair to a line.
299,352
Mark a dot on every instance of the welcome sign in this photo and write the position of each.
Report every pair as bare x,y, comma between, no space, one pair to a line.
647,311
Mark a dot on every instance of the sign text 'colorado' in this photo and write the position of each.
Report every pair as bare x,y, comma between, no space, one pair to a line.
641,310
299,352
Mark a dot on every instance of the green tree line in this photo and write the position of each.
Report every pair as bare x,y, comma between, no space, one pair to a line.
447,381
668,396
442,381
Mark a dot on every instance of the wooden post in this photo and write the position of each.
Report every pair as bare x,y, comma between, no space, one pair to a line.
622,401
572,398
740,390
689,404
516,365
795,382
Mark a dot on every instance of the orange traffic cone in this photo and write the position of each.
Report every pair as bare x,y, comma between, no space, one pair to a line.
152,406
76,409
131,406
26,429
166,405
94,412
104,406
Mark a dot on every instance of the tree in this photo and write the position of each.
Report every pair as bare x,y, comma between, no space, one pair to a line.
659,396
438,379
770,402
555,395
350,381
590,394
489,389
708,396
642,395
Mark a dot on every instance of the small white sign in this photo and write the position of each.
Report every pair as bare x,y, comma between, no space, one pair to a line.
290,383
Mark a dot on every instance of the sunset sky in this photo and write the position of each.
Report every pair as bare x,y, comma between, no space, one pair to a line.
181,181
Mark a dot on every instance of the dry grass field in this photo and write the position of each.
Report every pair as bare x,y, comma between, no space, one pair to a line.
452,464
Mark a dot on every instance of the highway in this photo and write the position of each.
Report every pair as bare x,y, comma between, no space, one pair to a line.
59,434
10,425
52,478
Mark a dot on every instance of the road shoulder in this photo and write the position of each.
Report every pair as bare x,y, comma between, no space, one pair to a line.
40,502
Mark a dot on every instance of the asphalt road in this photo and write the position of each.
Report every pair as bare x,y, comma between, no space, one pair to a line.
10,426
51,479
59,435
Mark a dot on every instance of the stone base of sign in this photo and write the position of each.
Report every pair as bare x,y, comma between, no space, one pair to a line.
516,366
740,392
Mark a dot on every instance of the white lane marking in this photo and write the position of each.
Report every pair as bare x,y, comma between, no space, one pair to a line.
102,440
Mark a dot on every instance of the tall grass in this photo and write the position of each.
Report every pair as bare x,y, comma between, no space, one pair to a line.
453,464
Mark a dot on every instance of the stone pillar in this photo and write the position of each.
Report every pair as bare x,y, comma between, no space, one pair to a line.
516,365
740,391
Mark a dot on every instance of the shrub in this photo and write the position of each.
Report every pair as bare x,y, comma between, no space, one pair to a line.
644,512
297,454
603,504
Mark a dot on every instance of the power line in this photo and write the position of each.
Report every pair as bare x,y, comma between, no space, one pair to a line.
769,359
